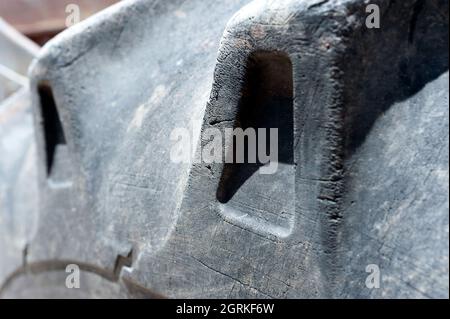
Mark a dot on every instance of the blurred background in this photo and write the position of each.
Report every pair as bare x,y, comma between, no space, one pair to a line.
40,20
25,25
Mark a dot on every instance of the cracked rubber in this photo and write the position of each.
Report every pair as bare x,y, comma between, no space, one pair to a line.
362,180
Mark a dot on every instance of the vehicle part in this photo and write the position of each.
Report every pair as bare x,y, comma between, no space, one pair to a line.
363,115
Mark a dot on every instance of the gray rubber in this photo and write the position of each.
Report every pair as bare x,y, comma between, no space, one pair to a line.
363,178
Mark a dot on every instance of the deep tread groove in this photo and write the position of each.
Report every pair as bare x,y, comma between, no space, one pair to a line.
53,129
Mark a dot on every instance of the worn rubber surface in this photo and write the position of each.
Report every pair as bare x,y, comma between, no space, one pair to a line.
363,171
